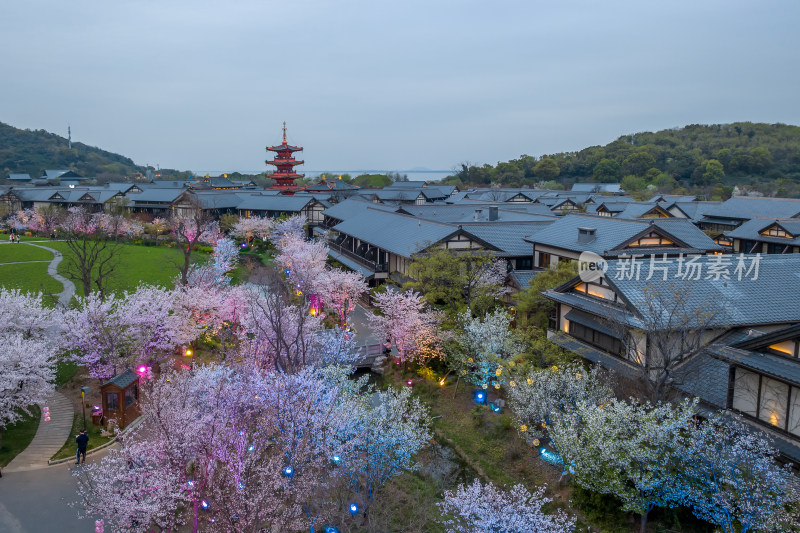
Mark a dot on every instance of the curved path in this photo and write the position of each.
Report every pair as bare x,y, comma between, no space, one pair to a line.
69,288
49,438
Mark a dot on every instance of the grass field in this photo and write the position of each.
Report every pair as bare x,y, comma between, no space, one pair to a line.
29,277
10,253
17,437
150,264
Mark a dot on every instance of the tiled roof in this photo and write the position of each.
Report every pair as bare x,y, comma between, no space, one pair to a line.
523,278
765,363
19,177
750,230
769,299
704,377
258,202
745,208
400,234
353,206
124,379
156,195
393,195
693,210
407,185
508,236
458,213
597,187
611,232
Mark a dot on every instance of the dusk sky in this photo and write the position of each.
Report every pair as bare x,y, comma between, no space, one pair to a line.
205,85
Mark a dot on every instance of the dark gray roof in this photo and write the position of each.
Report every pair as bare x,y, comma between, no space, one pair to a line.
509,237
672,198
692,210
124,379
353,206
612,232
523,278
393,195
704,377
458,213
745,208
352,264
750,230
595,355
765,363
400,234
219,199
407,184
597,187
332,185
19,177
633,210
156,195
258,202
769,299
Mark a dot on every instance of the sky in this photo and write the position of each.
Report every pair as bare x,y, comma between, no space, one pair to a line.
394,85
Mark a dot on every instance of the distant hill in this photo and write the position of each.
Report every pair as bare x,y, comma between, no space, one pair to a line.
702,159
33,151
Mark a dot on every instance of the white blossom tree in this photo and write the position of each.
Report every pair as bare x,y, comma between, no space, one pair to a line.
485,345
224,257
625,449
27,371
25,313
543,396
729,476
479,507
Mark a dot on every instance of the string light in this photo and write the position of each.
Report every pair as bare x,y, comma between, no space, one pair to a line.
353,508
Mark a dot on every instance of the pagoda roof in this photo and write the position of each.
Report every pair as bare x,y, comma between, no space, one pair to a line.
284,161
285,148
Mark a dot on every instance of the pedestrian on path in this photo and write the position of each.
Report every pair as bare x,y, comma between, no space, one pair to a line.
83,441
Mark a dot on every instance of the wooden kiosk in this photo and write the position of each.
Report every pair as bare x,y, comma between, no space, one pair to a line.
120,397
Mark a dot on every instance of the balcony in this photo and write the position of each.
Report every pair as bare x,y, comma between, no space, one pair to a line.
374,266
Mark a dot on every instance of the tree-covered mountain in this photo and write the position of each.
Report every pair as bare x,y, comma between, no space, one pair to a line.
705,159
34,151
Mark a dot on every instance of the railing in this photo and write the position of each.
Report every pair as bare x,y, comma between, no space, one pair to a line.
372,265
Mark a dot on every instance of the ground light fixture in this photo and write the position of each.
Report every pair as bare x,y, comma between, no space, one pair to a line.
288,471
480,396
353,508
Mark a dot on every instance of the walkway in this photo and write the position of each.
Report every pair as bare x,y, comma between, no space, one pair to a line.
69,288
49,438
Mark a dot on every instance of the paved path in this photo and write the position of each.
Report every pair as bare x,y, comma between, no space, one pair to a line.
49,438
36,501
52,269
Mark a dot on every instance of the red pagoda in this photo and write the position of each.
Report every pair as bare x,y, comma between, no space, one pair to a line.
284,162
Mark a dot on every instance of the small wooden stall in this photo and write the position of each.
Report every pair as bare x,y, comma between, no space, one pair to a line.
120,397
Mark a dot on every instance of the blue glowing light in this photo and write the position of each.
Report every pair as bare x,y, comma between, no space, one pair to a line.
353,508
251,448
190,484
204,504
480,396
288,471
330,529
336,459
495,408
550,457
241,485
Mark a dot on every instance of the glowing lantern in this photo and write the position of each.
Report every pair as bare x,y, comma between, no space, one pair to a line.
353,508
288,471
204,504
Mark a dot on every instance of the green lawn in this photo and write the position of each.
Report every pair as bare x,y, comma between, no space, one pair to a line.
95,440
150,264
10,253
17,437
29,277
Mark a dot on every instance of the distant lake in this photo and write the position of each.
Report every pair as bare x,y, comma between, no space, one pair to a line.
413,175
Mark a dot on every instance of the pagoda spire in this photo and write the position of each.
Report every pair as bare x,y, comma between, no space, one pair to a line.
284,132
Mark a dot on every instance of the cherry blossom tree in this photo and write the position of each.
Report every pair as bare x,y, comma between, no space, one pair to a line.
248,228
404,322
290,226
479,507
340,290
543,396
625,449
234,449
224,257
26,314
302,261
729,476
189,231
392,427
486,344
26,375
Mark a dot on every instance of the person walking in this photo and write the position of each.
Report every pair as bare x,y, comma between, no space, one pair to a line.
82,439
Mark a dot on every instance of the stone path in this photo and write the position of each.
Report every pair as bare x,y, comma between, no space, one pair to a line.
69,288
49,438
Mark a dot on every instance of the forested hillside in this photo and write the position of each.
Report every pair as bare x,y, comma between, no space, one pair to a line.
706,159
33,151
